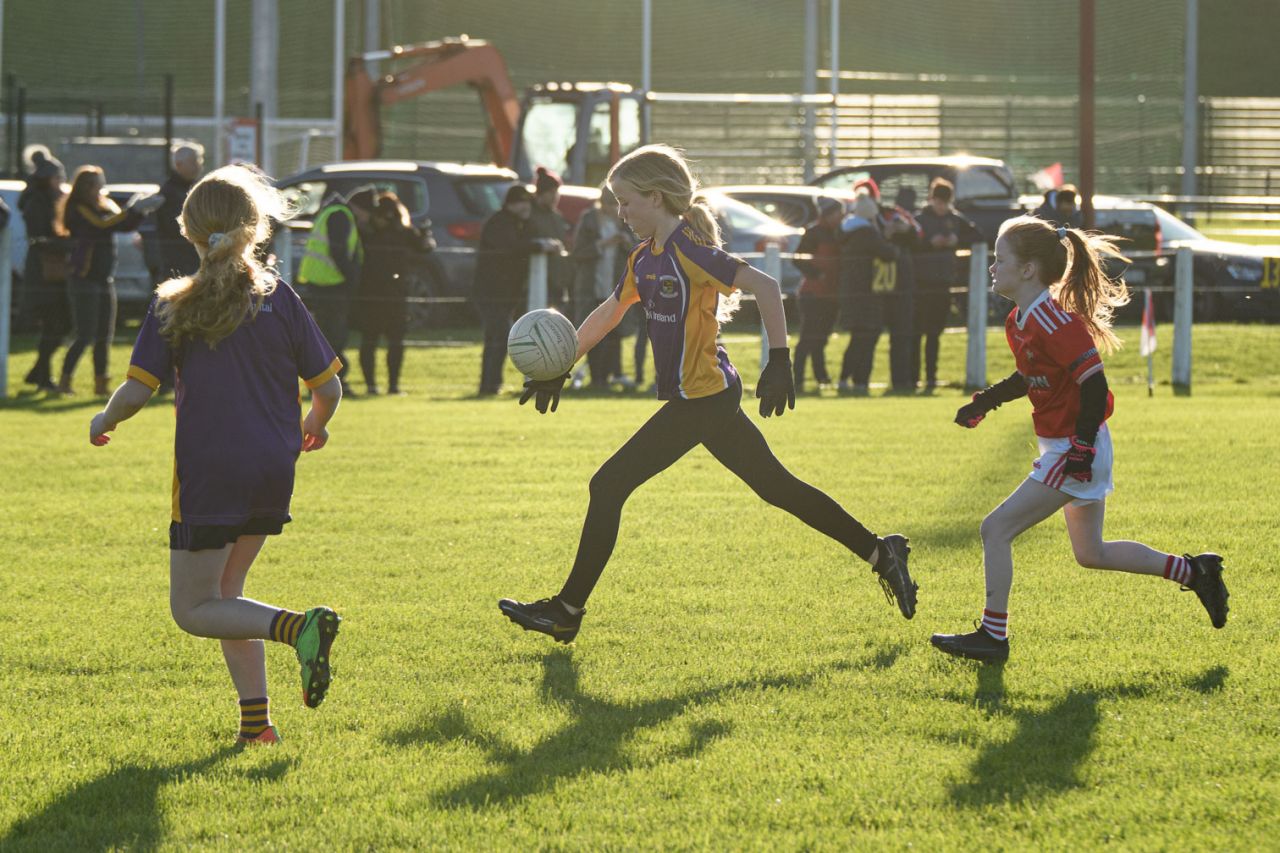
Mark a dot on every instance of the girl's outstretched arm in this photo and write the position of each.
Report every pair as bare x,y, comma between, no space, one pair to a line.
126,402
600,322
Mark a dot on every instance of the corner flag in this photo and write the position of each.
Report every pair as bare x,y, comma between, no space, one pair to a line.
1147,343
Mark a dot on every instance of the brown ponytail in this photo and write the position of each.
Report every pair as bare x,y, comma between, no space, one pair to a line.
1084,288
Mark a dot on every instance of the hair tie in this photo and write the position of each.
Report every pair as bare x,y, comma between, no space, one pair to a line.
216,239
1062,233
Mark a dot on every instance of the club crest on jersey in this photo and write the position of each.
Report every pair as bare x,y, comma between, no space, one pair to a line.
668,286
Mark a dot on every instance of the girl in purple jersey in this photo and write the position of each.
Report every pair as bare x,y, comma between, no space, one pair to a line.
234,341
687,286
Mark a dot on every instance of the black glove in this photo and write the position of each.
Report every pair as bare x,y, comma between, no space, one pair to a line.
776,388
971,414
1080,460
543,392
989,399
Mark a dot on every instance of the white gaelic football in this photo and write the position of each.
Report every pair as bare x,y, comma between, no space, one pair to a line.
543,344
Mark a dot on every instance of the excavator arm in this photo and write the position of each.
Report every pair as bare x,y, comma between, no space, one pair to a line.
444,63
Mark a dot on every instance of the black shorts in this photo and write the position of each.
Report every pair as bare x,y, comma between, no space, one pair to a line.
212,537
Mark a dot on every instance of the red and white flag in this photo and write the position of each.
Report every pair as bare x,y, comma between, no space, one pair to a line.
1147,343
1048,178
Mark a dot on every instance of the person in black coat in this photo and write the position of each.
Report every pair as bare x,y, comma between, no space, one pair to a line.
177,256
394,250
45,272
945,230
502,271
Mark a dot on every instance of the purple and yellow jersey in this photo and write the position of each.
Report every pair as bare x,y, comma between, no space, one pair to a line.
679,286
239,414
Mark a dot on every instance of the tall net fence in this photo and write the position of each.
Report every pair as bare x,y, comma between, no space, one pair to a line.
933,77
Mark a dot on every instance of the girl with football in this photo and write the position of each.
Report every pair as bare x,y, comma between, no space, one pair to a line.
687,286
1064,302
234,341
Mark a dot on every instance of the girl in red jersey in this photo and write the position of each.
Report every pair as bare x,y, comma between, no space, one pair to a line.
234,342
687,286
1055,332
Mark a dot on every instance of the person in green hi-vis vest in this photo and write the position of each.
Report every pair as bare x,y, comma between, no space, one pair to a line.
329,275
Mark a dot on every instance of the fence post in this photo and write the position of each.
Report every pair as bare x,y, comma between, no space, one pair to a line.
537,281
773,269
975,365
6,285
1183,286
284,252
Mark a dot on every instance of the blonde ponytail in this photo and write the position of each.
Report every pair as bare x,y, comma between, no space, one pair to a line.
1088,291
228,213
702,220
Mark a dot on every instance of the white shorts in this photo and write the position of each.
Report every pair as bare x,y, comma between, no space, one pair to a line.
1048,468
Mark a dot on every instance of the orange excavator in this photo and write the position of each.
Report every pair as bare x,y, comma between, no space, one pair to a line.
576,129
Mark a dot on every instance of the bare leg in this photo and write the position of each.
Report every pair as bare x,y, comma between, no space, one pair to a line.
1030,504
246,659
195,599
1084,525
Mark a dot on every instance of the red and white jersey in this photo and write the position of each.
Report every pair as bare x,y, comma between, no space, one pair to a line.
1054,352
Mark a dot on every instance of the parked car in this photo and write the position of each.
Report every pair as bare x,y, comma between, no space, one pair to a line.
986,191
748,232
796,206
455,198
1232,281
134,278
10,190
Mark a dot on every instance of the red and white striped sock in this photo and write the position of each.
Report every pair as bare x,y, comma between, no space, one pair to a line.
1178,570
996,624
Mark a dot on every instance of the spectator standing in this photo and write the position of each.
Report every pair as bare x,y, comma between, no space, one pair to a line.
45,270
903,231
394,252
546,224
868,266
502,271
820,290
92,220
944,231
331,265
1061,208
600,254
177,256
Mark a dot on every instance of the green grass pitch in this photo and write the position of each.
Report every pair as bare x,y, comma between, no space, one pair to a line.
740,682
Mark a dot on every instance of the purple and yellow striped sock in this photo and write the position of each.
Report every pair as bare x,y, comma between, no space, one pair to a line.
254,717
285,626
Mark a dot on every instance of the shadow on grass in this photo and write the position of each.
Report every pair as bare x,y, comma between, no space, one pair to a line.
1045,754
596,739
119,810
42,403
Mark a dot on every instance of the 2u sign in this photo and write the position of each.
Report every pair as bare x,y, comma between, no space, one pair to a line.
1270,274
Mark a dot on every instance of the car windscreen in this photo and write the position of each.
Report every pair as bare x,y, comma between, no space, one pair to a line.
1173,228
483,197
742,216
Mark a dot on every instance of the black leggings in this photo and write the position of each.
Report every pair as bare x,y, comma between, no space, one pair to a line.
718,423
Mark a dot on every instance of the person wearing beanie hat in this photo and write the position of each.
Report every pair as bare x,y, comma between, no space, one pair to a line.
546,224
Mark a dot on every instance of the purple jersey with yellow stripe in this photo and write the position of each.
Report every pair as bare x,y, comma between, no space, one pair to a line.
679,285
239,414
